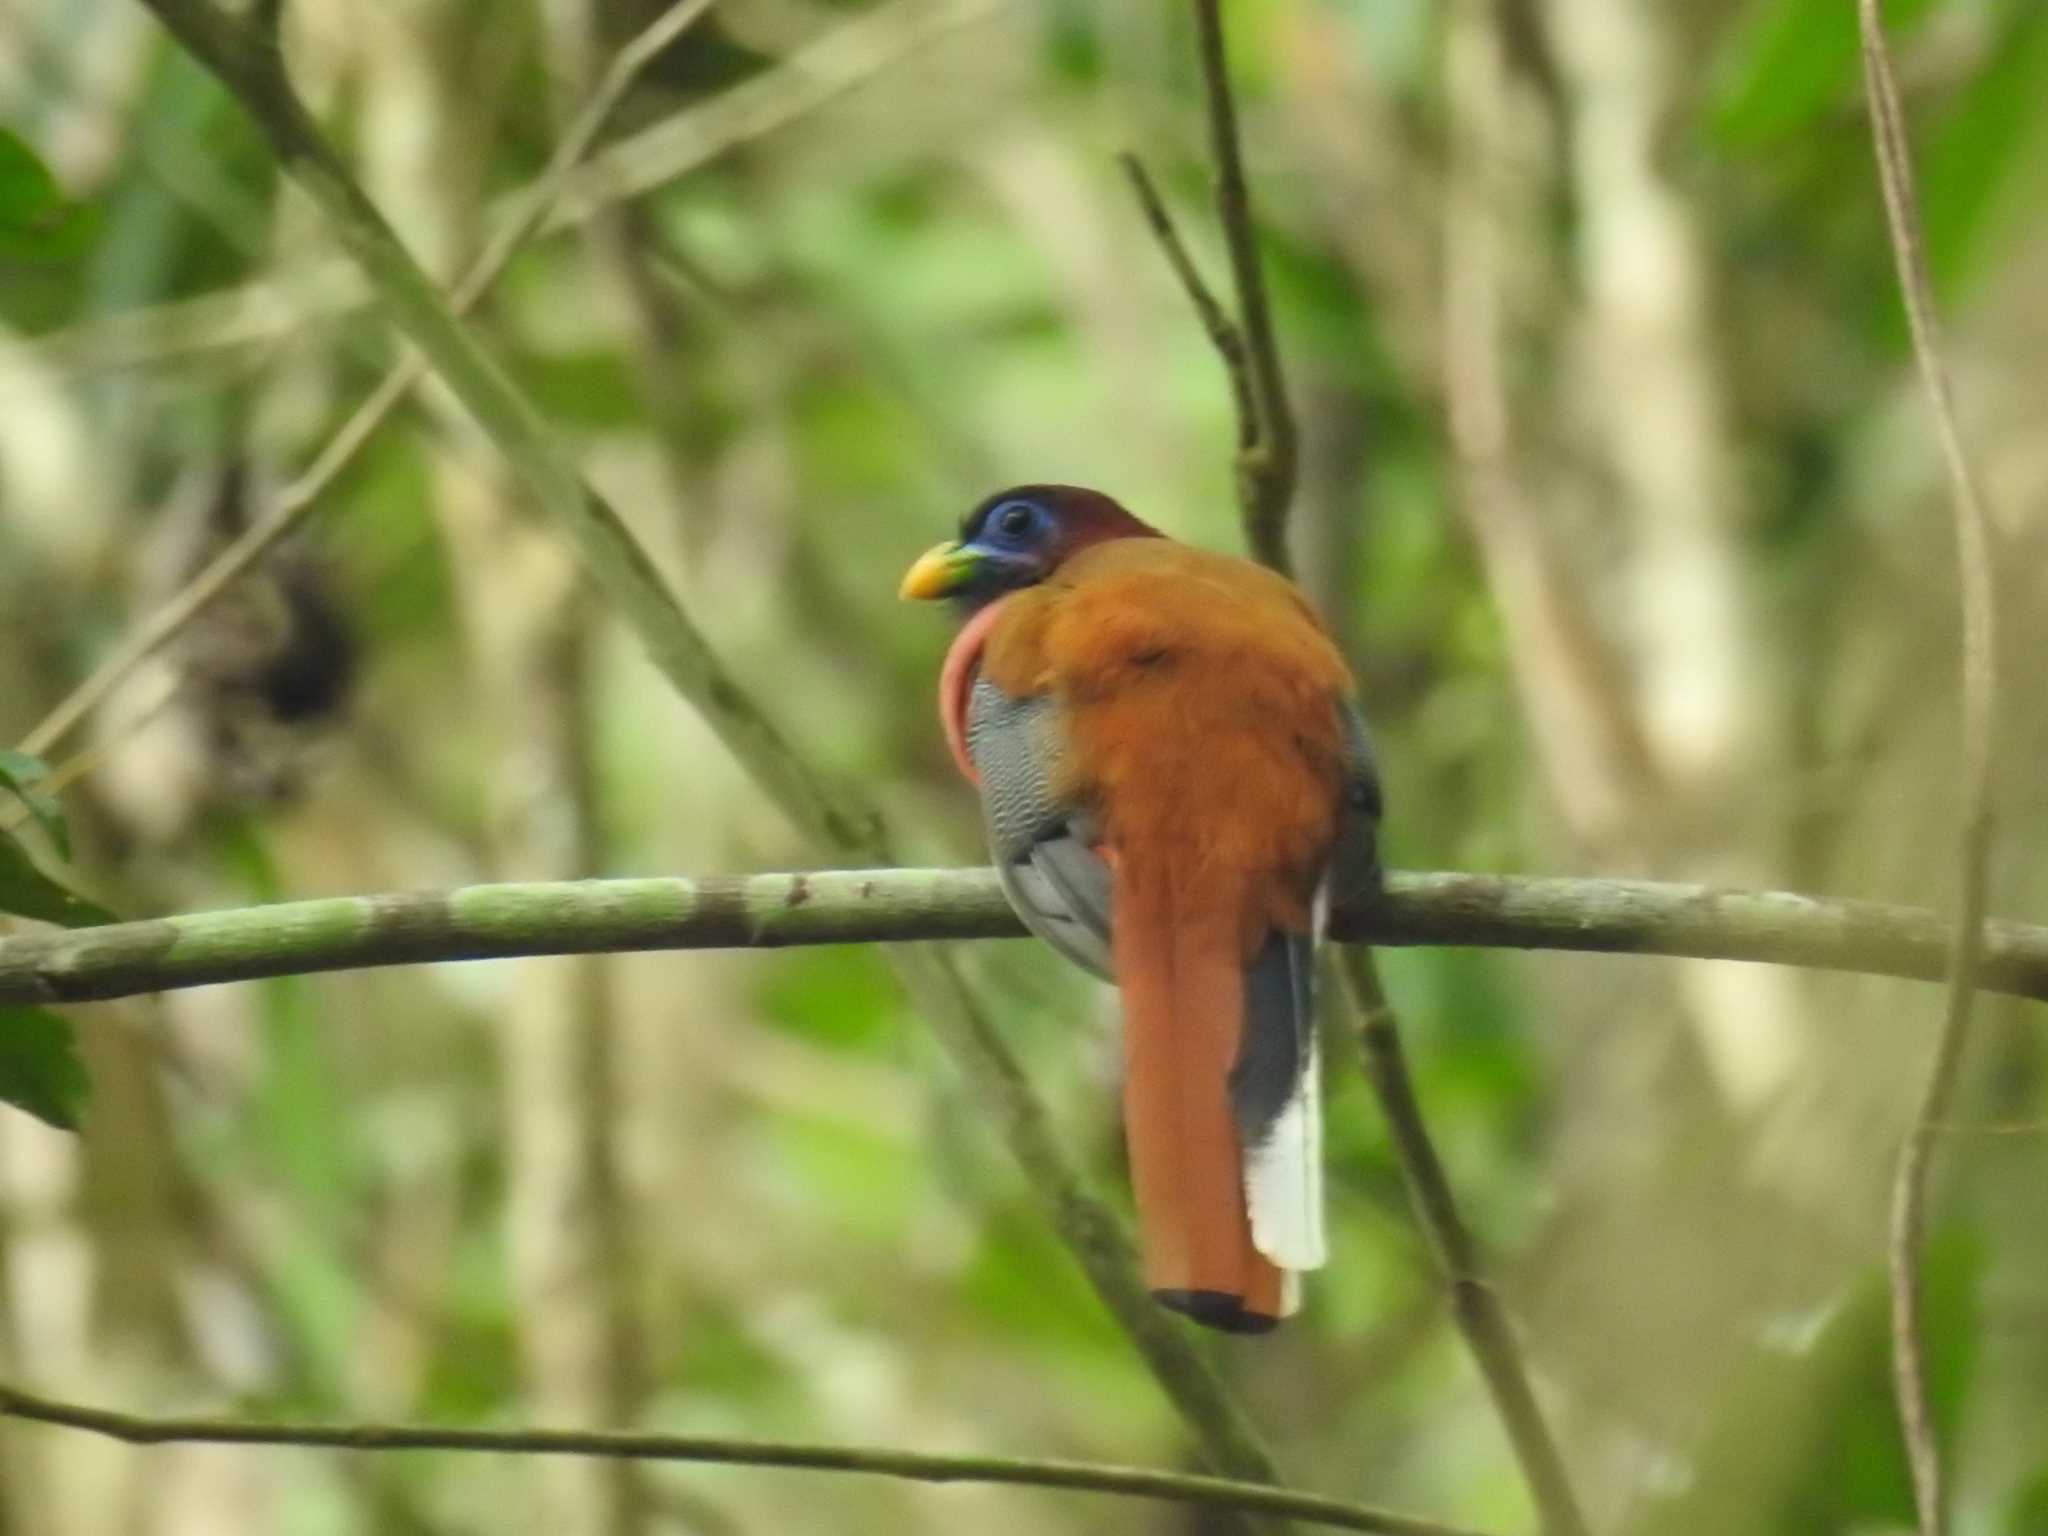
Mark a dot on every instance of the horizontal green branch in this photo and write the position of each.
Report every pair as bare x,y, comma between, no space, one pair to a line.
1132,1482
484,922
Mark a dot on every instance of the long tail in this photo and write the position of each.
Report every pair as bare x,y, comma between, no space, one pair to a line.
1179,968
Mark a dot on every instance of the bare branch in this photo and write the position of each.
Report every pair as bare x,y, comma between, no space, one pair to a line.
1222,330
1475,1305
1266,451
1979,693
875,1461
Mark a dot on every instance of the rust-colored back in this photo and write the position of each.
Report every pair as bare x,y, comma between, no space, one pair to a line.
1198,697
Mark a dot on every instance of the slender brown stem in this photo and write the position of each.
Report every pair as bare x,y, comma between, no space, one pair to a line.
1222,330
1266,445
1475,1305
1133,1482
1978,600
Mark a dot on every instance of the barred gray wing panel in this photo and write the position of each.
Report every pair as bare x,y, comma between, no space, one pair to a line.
1052,875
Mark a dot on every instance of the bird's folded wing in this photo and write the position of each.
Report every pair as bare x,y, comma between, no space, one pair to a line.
1355,862
1042,848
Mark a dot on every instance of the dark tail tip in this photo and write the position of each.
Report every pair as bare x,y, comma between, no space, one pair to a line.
1217,1309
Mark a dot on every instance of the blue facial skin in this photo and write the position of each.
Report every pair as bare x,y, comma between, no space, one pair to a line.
1011,544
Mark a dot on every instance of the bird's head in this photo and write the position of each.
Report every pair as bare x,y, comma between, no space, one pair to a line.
1017,538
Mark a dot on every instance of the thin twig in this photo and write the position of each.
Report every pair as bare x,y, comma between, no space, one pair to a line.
595,1047
1979,696
296,501
1266,449
833,814
877,1461
1475,1305
899,906
87,760
1222,330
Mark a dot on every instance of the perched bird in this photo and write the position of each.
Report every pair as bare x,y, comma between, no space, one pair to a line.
1175,782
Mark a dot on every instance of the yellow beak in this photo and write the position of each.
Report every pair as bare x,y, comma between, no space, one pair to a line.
938,572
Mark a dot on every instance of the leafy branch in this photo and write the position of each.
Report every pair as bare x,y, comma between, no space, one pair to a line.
40,1070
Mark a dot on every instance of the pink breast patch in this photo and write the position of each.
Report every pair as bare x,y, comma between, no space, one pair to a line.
956,681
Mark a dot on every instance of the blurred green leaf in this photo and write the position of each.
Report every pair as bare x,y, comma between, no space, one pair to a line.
842,996
1073,42
1807,1441
39,1067
1791,61
584,388
27,892
36,220
1995,130
1024,1282
19,775
29,198
2027,1515
719,1356
474,1368
298,1111
867,1182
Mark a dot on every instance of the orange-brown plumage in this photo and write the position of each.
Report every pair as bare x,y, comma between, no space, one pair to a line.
1197,692
1195,706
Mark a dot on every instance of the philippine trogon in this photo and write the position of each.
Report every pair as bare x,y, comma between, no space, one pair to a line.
1176,784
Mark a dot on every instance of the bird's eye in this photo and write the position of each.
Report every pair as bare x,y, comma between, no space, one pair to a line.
1014,521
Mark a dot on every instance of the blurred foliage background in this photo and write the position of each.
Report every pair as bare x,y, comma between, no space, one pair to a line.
1617,488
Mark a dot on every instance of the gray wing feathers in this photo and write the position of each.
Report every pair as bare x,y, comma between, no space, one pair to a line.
1042,851
1355,866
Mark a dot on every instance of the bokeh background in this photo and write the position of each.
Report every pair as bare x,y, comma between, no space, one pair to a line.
1617,487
